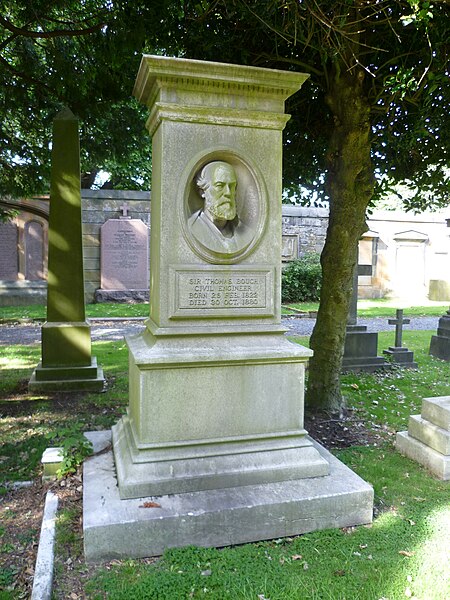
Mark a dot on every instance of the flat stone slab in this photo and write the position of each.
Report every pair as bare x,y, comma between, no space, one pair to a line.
117,529
436,462
437,410
430,434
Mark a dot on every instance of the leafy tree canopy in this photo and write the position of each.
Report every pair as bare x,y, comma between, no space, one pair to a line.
86,56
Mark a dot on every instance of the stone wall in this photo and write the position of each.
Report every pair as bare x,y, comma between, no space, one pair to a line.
401,255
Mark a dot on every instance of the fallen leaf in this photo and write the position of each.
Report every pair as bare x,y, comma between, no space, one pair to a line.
355,386
296,557
406,553
340,572
150,505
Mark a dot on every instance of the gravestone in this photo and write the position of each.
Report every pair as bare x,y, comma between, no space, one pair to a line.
67,363
34,251
289,247
398,354
214,427
440,343
124,256
361,346
9,260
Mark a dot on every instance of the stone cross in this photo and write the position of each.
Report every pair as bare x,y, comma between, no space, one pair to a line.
124,208
398,322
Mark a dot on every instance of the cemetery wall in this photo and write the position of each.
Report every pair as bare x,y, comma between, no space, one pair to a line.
400,255
97,207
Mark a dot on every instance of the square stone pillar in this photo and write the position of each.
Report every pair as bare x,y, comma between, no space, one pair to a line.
215,419
216,390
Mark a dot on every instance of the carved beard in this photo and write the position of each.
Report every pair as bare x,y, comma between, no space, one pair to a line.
227,211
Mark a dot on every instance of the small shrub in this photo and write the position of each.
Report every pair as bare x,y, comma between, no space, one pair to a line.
76,447
301,280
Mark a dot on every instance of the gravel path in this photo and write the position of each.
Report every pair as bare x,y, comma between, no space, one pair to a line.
25,333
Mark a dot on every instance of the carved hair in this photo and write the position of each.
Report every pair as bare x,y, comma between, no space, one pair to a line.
204,179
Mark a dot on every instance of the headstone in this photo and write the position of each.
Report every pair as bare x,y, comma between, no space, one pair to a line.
9,261
440,343
289,247
34,251
427,440
124,255
398,354
67,363
361,346
215,415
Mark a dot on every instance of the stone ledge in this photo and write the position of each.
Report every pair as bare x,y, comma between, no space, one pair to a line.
115,528
434,461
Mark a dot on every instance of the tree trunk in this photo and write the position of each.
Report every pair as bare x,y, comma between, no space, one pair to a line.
350,183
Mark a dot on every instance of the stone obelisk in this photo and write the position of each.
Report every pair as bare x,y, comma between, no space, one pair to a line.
67,363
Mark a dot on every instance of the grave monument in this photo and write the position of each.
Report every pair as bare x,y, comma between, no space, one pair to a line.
124,266
214,427
67,363
361,346
400,355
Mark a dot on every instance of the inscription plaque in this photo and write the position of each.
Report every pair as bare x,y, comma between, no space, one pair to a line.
219,292
124,255
8,252
34,251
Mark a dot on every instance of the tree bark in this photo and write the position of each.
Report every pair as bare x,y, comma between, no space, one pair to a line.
350,183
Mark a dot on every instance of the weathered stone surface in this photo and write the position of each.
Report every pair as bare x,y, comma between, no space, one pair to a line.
115,528
9,261
34,250
216,390
66,336
437,410
437,463
427,440
124,255
440,343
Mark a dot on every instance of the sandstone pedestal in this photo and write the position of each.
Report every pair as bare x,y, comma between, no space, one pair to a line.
215,416
427,440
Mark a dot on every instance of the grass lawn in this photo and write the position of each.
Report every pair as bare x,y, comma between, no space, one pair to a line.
403,554
366,308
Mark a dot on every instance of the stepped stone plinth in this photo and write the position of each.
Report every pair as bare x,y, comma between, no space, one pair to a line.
427,440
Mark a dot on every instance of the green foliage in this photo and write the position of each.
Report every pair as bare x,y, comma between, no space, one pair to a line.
75,447
301,280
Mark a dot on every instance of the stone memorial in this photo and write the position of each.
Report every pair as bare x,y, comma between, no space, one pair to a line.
9,260
440,343
398,354
67,363
361,346
34,251
427,440
214,427
124,259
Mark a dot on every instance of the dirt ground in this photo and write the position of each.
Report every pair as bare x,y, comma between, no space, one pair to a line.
21,508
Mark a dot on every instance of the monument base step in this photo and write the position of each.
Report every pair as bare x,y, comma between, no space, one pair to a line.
67,379
437,463
121,295
117,529
401,357
368,364
194,467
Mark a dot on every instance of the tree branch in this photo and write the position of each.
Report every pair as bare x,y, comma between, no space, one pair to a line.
49,34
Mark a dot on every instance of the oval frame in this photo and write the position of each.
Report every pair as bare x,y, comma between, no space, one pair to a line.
251,203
